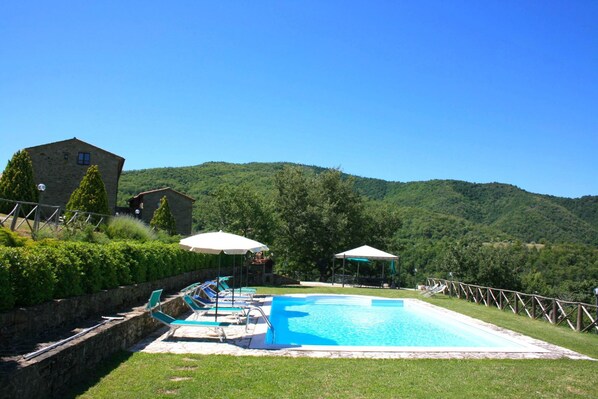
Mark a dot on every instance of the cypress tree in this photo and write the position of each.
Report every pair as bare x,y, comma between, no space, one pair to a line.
163,218
91,194
17,181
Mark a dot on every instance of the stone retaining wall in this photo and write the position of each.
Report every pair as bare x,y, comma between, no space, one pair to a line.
49,374
25,324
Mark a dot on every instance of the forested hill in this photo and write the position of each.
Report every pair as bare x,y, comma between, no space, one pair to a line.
429,209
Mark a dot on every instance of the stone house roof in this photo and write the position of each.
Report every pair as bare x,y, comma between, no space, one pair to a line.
140,195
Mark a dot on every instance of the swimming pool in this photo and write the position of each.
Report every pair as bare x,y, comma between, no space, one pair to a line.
367,323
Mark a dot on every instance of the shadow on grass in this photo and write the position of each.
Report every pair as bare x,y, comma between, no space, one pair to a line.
92,377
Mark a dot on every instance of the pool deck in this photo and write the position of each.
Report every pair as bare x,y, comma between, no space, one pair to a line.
248,341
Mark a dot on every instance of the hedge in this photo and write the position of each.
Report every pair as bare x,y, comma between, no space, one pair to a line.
35,274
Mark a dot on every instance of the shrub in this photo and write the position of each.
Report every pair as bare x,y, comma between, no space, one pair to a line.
7,299
91,195
16,182
163,218
56,269
67,270
31,275
91,267
125,227
10,238
122,263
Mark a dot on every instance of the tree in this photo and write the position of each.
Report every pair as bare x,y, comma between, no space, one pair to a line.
91,195
239,210
382,223
17,182
319,215
163,218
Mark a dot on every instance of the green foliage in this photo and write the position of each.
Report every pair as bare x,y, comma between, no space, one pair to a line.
55,269
91,194
382,222
125,227
67,270
318,215
239,210
495,209
163,218
16,182
433,216
10,238
7,299
31,275
504,209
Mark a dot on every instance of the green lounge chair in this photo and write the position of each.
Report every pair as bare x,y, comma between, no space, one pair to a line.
225,287
200,309
155,309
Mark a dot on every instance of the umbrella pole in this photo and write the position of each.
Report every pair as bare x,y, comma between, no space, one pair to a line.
343,278
240,280
333,270
217,285
247,274
234,271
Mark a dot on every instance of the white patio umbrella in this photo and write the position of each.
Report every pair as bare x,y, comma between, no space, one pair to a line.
217,243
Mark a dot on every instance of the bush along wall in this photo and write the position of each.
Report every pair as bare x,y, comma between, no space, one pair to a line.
35,274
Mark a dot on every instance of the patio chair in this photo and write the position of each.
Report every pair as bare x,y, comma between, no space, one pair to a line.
200,308
226,288
429,288
154,307
435,291
211,293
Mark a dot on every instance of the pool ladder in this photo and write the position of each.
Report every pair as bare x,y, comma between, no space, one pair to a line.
250,308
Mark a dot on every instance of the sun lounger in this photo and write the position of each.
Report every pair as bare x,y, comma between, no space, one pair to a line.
429,288
226,288
223,293
200,308
155,309
210,294
440,288
204,295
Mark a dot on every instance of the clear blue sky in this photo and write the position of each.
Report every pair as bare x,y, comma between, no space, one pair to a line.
480,91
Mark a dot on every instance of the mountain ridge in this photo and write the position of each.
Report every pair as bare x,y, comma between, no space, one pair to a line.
502,208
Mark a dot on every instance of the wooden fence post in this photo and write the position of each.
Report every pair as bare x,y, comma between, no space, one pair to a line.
15,217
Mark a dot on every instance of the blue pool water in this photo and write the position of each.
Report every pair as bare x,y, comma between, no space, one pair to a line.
340,320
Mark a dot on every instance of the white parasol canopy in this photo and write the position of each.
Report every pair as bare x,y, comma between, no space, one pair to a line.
221,242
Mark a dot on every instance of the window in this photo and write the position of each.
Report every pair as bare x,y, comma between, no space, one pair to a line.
83,158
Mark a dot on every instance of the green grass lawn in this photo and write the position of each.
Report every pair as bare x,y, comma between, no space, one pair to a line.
195,376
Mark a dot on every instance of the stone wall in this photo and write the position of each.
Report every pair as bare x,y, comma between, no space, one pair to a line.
55,165
50,374
27,324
